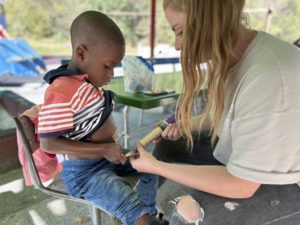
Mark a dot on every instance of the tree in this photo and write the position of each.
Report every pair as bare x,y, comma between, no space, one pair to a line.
285,22
40,19
133,26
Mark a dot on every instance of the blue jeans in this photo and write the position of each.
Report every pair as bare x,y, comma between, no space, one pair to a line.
101,182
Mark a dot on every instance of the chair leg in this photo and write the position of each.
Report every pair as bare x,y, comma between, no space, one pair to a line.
126,128
96,216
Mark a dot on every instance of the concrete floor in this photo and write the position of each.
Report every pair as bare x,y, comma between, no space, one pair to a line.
28,206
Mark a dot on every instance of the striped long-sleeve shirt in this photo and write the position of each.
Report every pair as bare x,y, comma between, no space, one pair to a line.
73,108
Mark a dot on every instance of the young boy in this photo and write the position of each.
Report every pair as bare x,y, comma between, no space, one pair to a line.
75,120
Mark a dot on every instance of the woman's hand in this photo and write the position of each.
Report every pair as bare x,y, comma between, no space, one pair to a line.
143,161
114,153
171,132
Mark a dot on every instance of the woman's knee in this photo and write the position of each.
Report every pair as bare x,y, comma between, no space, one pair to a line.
189,210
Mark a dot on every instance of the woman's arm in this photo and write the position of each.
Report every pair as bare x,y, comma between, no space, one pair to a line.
212,179
83,150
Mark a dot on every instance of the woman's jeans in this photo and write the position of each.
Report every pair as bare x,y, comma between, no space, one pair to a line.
271,204
101,182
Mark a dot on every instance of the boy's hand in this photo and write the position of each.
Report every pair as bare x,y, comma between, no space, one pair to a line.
114,153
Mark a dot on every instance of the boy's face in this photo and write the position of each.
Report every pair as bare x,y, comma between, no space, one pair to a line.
100,62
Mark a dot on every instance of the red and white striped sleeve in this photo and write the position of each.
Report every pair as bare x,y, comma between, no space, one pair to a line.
56,115
65,98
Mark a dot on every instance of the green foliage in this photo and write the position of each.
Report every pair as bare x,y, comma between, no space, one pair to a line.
42,18
133,26
285,22
51,19
163,32
26,18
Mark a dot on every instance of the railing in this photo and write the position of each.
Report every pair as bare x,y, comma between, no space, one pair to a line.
155,61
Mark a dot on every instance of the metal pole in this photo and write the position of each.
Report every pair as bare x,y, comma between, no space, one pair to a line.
126,128
152,29
96,215
268,20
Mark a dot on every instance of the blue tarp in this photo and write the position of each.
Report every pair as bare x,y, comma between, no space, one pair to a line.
18,59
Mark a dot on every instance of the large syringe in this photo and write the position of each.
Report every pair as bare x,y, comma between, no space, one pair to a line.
146,140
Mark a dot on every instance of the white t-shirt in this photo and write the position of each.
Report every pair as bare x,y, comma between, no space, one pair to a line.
259,139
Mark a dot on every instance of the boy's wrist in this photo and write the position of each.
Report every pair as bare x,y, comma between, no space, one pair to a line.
103,149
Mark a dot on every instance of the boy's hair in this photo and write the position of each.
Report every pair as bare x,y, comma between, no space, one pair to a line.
91,26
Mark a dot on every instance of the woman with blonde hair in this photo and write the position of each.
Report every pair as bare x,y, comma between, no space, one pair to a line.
248,174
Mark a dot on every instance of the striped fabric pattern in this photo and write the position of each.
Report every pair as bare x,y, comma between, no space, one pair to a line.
72,108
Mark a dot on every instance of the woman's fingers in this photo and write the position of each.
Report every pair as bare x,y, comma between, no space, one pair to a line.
143,162
140,148
137,153
166,132
171,133
176,134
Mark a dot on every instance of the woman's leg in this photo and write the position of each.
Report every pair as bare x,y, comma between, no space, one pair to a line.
177,151
271,204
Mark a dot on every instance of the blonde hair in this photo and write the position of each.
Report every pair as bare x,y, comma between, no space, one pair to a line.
174,4
211,30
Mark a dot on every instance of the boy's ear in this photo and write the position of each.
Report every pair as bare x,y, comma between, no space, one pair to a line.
80,52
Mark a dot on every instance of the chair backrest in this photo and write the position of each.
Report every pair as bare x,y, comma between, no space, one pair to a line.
26,130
